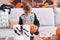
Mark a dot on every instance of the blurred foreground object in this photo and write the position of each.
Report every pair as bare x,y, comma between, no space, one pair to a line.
58,31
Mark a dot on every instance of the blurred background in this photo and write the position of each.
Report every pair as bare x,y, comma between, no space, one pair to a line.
34,3
49,18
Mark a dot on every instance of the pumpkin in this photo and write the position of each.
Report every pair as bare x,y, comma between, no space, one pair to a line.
58,31
16,3
33,28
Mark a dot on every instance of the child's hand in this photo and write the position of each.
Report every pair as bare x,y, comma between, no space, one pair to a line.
25,22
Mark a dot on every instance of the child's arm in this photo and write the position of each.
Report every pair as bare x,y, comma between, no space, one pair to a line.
36,21
20,21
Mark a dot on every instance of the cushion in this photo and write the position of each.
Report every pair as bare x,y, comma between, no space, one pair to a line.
45,16
57,16
4,19
15,13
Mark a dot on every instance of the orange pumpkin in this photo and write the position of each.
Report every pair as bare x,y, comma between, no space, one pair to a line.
11,1
47,5
18,5
58,31
33,28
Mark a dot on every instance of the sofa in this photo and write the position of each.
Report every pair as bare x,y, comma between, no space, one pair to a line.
48,18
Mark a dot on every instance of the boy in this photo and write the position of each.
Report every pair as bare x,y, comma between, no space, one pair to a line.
29,17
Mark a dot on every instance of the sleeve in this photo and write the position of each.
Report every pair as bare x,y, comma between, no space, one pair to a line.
36,21
20,20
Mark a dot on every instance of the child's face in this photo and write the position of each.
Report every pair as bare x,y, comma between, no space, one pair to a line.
26,11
